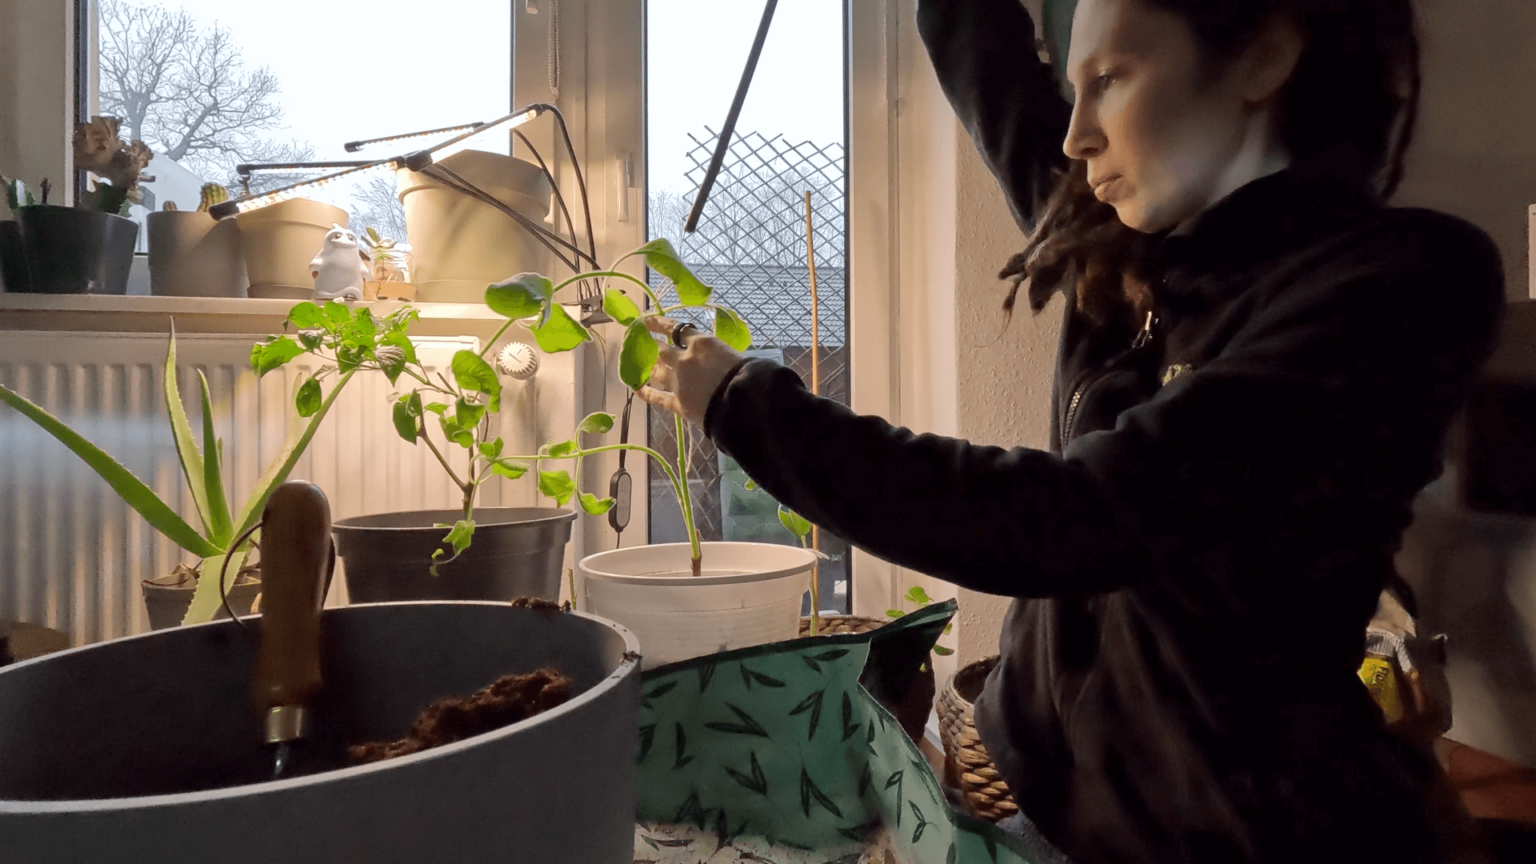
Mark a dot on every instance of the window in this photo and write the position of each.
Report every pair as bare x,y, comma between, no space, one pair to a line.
751,238
210,85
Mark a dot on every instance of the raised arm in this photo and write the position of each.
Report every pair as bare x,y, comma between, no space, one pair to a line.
1005,96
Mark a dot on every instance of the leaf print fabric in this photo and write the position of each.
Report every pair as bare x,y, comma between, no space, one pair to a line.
775,753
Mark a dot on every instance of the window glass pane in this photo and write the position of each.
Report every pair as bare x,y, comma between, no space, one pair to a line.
751,240
209,84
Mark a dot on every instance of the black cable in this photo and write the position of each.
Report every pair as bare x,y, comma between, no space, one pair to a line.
581,182
554,184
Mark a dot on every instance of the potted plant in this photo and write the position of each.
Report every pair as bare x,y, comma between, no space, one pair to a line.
226,538
427,554
389,267
191,254
88,248
14,275
681,599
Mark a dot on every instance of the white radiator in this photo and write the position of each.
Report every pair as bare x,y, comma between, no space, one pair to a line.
72,554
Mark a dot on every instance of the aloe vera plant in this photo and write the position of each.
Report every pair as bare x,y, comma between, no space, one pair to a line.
201,460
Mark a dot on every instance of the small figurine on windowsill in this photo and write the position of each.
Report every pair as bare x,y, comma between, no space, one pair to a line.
339,268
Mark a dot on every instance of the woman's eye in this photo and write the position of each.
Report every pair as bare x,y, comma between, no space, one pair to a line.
1102,82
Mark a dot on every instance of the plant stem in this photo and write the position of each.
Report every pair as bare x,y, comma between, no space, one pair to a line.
504,325
686,499
439,454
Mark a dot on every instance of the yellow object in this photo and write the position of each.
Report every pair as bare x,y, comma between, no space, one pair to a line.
1380,679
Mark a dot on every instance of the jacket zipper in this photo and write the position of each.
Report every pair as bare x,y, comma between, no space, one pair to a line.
1142,340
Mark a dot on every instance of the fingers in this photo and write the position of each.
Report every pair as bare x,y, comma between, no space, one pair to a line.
660,398
661,325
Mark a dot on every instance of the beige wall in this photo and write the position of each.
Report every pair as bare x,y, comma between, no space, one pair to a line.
36,82
1475,153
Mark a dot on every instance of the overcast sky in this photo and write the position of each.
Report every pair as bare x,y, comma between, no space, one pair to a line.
446,62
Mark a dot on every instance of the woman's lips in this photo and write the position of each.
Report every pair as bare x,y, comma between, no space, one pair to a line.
1102,188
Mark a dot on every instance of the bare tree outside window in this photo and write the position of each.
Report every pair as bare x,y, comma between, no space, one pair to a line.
184,89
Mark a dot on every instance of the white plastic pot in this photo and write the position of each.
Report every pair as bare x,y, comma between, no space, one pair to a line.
461,244
747,594
278,242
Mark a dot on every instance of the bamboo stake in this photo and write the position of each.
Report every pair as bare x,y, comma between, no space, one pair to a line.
810,261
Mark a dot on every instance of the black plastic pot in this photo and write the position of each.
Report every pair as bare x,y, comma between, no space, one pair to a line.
73,251
13,259
516,552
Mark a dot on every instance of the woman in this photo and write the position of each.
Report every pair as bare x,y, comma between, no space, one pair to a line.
1258,362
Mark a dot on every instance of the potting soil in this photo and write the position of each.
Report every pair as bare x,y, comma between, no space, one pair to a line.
510,699
779,753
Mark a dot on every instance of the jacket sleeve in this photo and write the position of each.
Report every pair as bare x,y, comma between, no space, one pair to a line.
1331,399
1006,98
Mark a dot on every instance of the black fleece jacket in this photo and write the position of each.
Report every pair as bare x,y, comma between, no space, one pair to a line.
1198,554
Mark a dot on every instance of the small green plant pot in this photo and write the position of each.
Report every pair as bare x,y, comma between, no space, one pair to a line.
73,251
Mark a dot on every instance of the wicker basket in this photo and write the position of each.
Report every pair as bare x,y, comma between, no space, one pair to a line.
967,767
912,709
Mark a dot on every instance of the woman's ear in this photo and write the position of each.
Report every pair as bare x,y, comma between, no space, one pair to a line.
1269,61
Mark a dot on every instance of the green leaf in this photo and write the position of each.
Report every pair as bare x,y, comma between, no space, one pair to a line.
133,491
917,595
181,434
306,316
308,400
111,199
663,258
942,651
398,339
562,450
205,599
468,414
461,535
311,339
751,486
596,423
522,296
491,449
894,613
619,307
557,485
437,408
407,416
473,373
455,431
272,355
219,527
638,356
793,521
593,505
560,332
509,469
336,314
372,234
730,329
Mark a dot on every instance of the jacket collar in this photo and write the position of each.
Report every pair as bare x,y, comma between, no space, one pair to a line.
1260,221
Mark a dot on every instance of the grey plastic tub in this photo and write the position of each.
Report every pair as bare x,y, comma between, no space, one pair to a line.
516,552
147,749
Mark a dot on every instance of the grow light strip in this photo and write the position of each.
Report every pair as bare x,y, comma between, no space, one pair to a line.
294,167
422,158
354,146
254,202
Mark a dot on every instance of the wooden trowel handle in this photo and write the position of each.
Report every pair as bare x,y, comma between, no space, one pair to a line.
296,556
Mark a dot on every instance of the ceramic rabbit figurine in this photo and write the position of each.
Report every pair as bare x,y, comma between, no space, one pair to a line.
339,268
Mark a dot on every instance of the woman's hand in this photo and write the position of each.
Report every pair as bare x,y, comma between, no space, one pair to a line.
684,380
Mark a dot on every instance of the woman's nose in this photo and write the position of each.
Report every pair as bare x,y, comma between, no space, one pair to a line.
1084,137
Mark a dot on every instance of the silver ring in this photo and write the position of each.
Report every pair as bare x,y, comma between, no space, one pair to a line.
680,331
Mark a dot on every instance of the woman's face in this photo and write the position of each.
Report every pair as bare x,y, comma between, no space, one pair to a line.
1162,138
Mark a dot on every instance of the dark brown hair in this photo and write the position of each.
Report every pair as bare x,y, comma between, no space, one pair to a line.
1349,109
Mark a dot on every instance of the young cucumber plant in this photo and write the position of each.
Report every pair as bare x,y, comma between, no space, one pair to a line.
919,598
531,295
